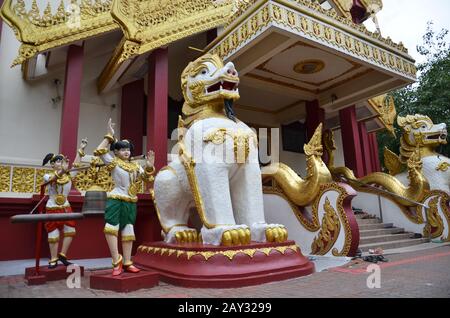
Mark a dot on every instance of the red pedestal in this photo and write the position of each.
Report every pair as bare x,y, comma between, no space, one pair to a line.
47,274
124,283
206,266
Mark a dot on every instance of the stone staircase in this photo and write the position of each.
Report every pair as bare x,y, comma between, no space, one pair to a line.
374,234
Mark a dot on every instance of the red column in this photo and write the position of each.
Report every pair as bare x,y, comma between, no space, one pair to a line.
68,142
132,110
1,21
365,147
374,151
314,116
350,140
158,81
211,35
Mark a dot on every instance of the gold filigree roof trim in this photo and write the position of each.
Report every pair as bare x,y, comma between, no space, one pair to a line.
148,25
153,24
71,22
330,17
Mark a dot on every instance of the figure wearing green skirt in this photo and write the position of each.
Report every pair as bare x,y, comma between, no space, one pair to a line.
120,213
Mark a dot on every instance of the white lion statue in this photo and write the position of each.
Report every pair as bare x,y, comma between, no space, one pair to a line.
217,170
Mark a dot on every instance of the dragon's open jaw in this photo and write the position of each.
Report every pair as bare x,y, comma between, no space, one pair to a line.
440,137
223,85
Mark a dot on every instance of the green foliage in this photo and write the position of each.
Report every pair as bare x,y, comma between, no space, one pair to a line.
430,95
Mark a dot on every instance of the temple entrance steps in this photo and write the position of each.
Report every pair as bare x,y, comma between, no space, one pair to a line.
375,234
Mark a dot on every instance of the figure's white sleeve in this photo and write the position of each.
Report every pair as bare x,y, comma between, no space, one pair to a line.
73,174
141,170
107,158
47,177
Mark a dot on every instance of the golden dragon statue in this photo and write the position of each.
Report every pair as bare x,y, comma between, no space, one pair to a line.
302,191
405,195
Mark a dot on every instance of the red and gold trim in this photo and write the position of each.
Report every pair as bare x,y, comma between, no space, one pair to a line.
101,152
128,238
59,209
109,231
53,239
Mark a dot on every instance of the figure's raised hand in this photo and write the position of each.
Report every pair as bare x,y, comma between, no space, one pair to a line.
150,158
65,165
111,127
83,144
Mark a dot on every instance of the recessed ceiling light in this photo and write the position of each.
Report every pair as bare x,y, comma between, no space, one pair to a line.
309,66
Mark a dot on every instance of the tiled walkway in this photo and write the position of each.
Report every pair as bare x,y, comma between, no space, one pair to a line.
417,274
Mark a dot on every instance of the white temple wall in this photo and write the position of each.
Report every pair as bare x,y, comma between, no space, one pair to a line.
95,109
339,153
25,110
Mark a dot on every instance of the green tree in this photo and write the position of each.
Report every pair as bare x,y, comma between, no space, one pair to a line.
430,95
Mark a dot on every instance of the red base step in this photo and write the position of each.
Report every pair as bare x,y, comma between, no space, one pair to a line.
124,283
46,274
207,266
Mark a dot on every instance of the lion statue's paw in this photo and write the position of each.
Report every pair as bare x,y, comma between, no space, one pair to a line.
262,232
227,235
182,235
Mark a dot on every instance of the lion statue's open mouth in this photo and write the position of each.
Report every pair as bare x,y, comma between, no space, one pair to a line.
221,86
209,87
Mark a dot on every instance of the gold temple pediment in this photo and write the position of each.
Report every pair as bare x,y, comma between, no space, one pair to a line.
384,106
148,25
40,29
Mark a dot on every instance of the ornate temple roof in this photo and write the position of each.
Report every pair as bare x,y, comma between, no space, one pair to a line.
274,29
40,30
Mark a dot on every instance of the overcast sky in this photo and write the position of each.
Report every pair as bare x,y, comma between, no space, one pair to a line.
406,21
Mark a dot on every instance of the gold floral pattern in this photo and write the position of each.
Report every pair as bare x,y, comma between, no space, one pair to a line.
230,254
329,231
5,178
23,180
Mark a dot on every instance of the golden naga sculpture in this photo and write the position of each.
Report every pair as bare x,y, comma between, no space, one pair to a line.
413,192
302,191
